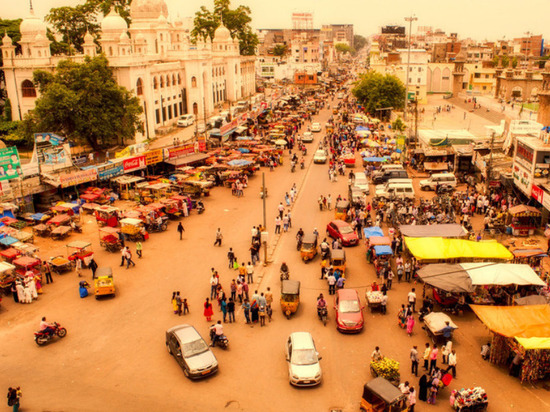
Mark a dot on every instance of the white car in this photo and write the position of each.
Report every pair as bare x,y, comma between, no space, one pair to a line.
186,120
307,137
320,156
316,127
340,96
303,360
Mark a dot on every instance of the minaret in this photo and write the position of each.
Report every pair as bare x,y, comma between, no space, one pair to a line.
89,45
458,72
544,97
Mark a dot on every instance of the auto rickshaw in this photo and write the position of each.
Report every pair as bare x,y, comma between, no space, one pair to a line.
103,282
338,260
308,250
341,210
379,395
133,229
290,296
82,250
109,238
106,216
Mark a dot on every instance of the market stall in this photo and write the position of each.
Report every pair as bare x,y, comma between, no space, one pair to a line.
437,248
520,338
524,220
448,230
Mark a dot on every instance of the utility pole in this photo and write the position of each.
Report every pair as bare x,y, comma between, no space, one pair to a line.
490,164
264,195
410,20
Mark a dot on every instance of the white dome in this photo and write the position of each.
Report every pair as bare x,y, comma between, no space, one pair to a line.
6,40
148,9
222,33
39,38
113,23
124,37
31,26
140,38
161,21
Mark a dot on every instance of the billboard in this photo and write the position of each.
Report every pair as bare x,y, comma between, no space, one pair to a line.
393,30
52,151
10,166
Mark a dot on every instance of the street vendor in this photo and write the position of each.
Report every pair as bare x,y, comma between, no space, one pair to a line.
447,331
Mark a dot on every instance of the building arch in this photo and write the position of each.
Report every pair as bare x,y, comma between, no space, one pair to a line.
436,80
168,80
517,92
193,81
195,109
155,83
139,87
446,80
28,89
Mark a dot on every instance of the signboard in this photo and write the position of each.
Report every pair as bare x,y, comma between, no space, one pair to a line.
50,138
227,127
10,166
179,151
537,193
109,170
134,163
76,178
411,96
522,179
153,156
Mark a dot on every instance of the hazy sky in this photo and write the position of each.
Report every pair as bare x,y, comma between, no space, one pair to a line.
479,19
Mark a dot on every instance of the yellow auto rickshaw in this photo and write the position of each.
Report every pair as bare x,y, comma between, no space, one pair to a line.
338,260
103,282
290,296
133,229
308,250
341,210
379,395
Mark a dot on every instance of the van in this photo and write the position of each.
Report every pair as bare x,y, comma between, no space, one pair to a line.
360,181
186,120
400,190
441,179
383,177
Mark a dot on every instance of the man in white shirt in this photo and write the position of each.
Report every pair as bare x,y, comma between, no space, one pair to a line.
412,299
452,363
218,332
331,284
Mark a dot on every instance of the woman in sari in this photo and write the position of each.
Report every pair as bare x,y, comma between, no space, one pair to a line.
208,312
410,324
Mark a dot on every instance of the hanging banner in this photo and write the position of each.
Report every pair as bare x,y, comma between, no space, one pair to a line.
109,170
178,151
134,163
76,178
10,165
153,156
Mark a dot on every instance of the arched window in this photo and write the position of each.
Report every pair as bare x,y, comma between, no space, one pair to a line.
27,89
193,81
195,109
155,82
173,79
167,80
110,51
162,82
179,79
139,87
161,37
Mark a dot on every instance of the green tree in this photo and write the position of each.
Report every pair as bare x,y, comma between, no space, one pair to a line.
237,22
280,50
495,61
82,101
359,42
344,48
504,61
375,91
399,125
514,62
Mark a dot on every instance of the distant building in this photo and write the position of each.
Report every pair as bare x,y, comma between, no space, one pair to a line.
338,33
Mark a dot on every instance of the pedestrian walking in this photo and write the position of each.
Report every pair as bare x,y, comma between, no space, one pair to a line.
331,284
219,238
410,325
178,303
412,299
223,307
433,358
185,306
78,264
249,273
129,258
208,311
48,273
412,399
139,249
329,202
14,396
414,360
452,363
231,258
231,310
426,356
93,266
246,310
233,288
214,281
278,222
269,301
180,230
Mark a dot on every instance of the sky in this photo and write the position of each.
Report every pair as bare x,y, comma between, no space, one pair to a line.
477,19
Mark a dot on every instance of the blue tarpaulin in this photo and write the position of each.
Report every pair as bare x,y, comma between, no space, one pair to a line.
243,150
372,231
362,129
239,162
8,240
382,250
376,159
38,216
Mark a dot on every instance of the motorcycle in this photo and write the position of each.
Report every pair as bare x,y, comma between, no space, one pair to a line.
77,228
41,338
304,150
156,227
323,315
222,341
293,167
200,207
302,164
285,275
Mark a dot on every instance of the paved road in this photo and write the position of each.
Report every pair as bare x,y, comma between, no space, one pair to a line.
114,357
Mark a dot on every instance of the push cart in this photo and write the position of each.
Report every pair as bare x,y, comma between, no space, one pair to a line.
60,232
386,368
470,400
374,300
109,238
82,250
433,324
41,230
60,264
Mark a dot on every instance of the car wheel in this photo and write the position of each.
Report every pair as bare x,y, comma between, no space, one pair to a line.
168,348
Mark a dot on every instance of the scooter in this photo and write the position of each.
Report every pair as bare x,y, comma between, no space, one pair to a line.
41,338
293,167
200,207
302,164
285,274
155,227
323,315
221,341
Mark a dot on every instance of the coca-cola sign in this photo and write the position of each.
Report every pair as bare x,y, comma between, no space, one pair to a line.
134,163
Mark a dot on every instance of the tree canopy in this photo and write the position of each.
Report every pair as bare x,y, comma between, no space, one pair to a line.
83,102
344,48
280,50
377,91
237,22
71,23
359,42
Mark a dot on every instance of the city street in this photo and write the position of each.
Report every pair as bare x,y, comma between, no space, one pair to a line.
114,356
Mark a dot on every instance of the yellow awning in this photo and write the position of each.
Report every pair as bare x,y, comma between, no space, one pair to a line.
534,343
530,321
434,248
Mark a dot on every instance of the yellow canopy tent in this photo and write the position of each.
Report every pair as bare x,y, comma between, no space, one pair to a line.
435,248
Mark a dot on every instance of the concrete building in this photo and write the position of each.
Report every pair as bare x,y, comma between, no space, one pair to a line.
523,85
153,58
338,33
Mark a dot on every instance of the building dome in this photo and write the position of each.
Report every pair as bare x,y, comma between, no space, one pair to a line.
6,40
148,9
39,38
31,26
124,37
140,38
222,33
161,21
113,23
88,38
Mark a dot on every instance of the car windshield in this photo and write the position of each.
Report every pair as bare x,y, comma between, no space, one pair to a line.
304,357
345,230
194,348
319,153
349,306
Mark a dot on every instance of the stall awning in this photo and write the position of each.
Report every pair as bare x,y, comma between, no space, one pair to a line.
443,230
183,161
383,250
502,274
372,231
435,248
448,277
531,321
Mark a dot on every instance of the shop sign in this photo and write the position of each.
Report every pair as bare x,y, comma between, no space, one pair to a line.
134,163
76,178
521,179
227,127
179,151
109,170
10,166
153,156
537,193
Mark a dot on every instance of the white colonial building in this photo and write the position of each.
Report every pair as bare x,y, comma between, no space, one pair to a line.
154,58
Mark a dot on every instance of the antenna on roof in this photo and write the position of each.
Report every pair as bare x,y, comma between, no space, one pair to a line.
30,1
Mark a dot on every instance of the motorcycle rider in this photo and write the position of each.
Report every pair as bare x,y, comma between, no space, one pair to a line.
292,166
321,303
45,327
284,268
301,163
218,332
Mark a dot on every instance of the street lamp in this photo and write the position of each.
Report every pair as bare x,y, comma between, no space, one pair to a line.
410,20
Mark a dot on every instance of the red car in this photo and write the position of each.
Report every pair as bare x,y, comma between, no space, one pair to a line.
338,229
349,312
